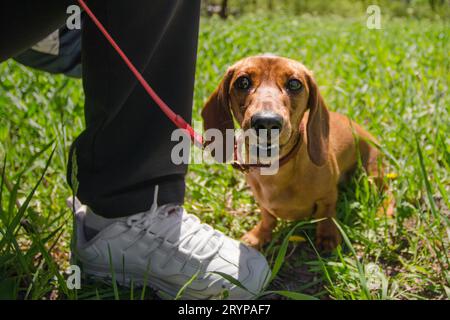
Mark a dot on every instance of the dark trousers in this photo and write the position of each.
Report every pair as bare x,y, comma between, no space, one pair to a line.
125,149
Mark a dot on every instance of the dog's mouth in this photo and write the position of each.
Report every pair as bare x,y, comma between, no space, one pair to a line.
266,146
270,150
263,144
265,150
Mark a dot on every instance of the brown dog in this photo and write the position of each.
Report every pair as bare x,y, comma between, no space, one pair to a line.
273,92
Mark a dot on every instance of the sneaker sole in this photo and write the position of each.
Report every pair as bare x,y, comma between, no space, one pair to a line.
162,288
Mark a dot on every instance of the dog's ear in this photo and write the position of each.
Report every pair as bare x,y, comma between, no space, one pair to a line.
216,113
318,126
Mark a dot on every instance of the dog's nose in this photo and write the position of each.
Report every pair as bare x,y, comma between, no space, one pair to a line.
266,120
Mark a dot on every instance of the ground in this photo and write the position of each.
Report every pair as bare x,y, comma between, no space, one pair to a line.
394,81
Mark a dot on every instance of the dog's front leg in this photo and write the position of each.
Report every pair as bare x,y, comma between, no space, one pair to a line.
327,233
262,232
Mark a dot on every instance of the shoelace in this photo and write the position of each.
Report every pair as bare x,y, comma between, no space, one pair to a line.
146,219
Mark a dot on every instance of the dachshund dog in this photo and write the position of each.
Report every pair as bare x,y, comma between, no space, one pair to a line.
323,147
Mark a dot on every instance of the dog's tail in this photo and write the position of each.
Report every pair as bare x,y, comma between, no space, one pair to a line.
374,163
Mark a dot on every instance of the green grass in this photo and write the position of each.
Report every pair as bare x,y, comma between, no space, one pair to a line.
394,81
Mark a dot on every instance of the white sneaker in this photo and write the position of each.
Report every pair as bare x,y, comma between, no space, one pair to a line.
167,246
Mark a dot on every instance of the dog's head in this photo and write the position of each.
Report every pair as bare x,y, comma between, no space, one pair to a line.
270,92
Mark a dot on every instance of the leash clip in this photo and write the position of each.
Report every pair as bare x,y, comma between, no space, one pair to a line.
241,167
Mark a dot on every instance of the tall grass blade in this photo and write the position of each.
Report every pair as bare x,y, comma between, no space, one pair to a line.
186,285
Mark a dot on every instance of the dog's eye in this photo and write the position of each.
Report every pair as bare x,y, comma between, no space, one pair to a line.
243,83
294,85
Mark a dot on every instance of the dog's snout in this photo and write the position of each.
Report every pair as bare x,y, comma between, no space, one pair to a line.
266,120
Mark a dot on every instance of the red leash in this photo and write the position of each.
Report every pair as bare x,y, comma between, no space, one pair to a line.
175,118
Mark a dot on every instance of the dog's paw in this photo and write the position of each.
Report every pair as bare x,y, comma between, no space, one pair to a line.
255,238
387,209
327,236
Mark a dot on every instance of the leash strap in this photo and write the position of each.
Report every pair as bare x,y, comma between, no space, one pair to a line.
175,118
